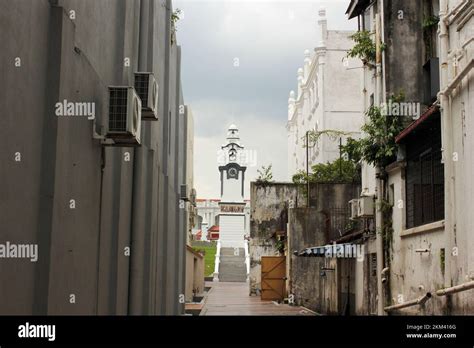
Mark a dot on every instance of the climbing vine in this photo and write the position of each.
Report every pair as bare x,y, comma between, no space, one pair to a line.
378,147
429,24
364,48
386,208
314,136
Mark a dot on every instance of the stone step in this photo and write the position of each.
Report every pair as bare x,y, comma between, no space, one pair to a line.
232,279
232,268
232,252
233,272
233,265
232,259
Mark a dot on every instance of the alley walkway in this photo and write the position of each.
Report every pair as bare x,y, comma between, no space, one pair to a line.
227,298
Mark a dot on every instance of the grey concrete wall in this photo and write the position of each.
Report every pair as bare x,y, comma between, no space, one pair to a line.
318,225
268,204
403,38
309,288
194,274
333,201
119,203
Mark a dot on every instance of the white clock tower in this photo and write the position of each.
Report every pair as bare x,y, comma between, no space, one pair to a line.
232,216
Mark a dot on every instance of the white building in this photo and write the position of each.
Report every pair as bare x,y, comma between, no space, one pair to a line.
430,185
232,217
329,97
208,211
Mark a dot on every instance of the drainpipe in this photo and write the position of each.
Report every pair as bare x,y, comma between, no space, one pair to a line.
247,257
137,275
455,289
420,302
379,182
446,134
307,170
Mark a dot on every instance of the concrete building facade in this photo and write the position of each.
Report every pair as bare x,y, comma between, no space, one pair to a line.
107,221
428,56
329,97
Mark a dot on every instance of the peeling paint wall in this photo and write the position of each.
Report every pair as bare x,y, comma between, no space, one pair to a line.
309,288
325,285
274,204
266,206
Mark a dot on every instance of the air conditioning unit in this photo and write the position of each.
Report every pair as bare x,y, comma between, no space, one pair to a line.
353,207
366,206
184,193
147,89
124,117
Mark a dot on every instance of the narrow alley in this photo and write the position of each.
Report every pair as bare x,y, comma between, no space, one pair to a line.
232,298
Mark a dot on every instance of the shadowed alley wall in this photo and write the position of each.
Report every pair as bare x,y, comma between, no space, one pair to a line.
119,203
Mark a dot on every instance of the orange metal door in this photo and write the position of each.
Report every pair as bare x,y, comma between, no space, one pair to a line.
273,277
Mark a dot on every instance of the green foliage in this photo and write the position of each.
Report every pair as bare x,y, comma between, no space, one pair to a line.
300,177
280,246
442,260
351,225
364,48
174,20
175,16
353,150
430,22
209,257
265,175
378,147
340,170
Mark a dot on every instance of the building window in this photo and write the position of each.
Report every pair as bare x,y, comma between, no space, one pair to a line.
424,174
367,19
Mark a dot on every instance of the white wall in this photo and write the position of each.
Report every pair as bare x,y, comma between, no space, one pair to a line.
329,97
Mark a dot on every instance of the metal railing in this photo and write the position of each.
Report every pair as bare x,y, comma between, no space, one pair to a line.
217,261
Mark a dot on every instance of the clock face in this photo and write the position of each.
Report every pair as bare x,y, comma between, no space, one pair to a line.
233,173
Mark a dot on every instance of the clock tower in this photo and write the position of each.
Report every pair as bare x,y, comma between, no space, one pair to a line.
232,174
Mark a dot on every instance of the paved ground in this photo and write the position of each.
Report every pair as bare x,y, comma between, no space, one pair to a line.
233,299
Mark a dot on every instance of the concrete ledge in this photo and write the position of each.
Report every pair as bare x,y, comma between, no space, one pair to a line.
427,228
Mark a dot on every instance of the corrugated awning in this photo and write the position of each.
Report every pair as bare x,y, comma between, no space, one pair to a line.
426,115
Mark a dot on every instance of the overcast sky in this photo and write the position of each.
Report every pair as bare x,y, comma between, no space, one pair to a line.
268,37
